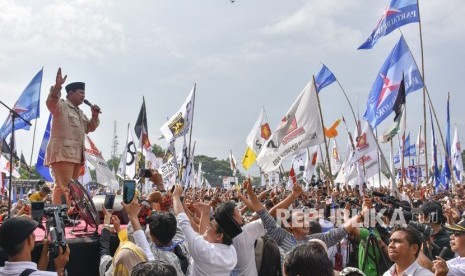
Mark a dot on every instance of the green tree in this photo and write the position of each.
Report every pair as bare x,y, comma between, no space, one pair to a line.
214,169
158,150
114,163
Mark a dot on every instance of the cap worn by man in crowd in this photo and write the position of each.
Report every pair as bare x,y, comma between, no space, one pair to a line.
15,230
459,227
228,224
75,86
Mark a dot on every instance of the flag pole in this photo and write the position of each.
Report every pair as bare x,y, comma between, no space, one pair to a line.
32,151
418,159
402,156
324,136
192,124
347,98
379,167
424,90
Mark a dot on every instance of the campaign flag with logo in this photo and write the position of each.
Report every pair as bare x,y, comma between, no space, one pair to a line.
324,78
300,128
398,14
127,165
40,168
457,162
180,123
384,91
365,144
104,175
256,139
27,105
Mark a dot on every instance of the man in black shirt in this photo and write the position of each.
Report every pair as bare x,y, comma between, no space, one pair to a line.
431,214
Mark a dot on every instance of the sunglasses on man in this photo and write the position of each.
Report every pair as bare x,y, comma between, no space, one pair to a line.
457,233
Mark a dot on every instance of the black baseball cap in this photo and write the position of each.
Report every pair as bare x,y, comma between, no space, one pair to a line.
15,230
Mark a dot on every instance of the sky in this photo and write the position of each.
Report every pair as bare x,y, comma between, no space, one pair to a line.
242,55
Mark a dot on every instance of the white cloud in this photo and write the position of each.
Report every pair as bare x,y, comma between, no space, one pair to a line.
61,29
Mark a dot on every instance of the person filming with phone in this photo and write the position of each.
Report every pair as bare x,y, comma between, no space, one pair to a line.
65,149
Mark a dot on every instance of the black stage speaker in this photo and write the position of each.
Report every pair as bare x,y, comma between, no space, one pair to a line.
117,207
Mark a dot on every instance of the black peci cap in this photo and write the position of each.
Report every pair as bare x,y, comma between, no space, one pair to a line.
75,86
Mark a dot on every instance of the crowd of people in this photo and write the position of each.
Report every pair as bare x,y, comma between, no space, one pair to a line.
317,230
258,231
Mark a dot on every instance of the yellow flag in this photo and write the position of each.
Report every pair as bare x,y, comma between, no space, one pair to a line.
249,158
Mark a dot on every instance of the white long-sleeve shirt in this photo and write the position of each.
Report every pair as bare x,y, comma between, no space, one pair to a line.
206,258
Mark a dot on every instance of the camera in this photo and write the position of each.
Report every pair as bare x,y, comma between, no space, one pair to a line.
425,230
54,215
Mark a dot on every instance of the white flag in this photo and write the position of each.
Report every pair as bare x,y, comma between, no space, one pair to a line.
298,161
5,167
179,124
365,144
456,152
85,178
259,133
232,163
104,175
421,142
300,128
199,175
127,165
335,158
310,164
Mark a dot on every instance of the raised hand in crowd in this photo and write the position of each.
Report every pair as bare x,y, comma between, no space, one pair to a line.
116,223
440,267
132,209
204,210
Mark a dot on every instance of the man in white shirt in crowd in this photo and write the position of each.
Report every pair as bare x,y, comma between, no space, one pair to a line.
455,266
404,248
212,253
17,239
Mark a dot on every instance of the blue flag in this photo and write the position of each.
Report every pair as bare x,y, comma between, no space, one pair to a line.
436,176
399,13
324,78
40,168
28,106
409,150
383,94
446,173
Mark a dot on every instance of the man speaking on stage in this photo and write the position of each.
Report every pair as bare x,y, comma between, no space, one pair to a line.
65,149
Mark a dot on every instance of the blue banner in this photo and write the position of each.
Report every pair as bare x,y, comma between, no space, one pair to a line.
40,168
383,94
27,105
399,13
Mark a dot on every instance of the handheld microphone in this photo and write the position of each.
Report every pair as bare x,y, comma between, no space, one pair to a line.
443,252
89,104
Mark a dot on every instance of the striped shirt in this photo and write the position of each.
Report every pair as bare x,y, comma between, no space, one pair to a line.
287,241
